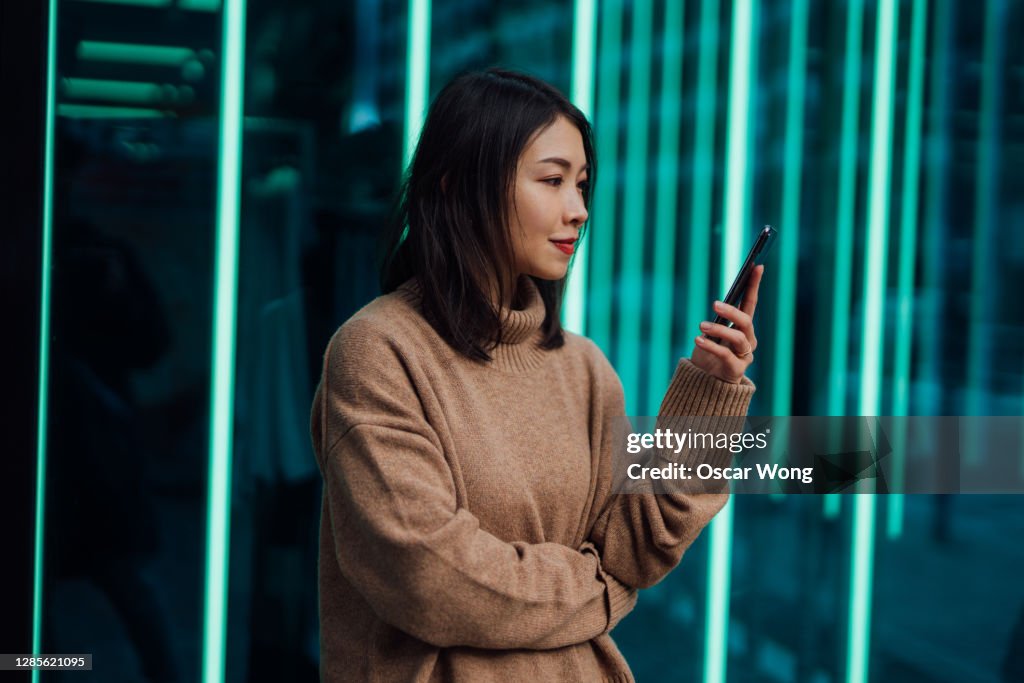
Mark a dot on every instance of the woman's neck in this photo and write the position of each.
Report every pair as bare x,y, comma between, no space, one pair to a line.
512,299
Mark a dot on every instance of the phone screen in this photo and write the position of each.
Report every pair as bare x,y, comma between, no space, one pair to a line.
755,257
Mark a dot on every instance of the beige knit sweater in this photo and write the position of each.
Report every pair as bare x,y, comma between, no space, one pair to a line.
468,531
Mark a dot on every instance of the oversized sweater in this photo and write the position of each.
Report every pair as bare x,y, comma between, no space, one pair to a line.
469,532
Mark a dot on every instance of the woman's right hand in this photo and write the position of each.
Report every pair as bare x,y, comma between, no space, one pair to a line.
729,358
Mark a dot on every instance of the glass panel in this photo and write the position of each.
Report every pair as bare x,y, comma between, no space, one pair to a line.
134,191
321,155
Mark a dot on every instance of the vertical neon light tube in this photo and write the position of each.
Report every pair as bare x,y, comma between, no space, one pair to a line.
417,75
878,207
665,217
736,227
908,245
602,239
698,301
845,210
862,554
861,568
980,332
417,79
843,274
736,201
218,531
44,332
782,392
585,26
634,204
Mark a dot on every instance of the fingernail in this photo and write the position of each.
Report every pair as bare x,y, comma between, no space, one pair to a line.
700,340
705,326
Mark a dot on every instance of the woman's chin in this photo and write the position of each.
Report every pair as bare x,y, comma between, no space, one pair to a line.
551,271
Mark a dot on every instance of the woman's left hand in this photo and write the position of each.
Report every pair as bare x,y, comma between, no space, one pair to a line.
732,355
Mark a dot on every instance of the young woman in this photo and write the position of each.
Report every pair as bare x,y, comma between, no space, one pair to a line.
469,529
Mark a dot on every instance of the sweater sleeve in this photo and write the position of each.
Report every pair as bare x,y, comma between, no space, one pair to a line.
423,563
642,535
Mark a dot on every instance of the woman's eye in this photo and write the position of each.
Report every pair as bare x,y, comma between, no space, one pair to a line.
555,182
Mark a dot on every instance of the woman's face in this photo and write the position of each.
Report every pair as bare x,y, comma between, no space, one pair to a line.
548,210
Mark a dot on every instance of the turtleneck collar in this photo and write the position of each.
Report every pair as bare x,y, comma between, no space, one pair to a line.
520,325
520,328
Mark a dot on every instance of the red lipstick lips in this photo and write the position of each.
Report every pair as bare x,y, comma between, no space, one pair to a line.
565,246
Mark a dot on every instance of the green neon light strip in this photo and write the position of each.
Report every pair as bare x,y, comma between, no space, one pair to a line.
843,274
719,576
908,253
735,229
89,111
218,533
844,219
878,206
666,218
417,70
631,287
980,332
782,393
862,565
134,53
417,79
583,38
698,299
602,239
861,568
114,91
44,333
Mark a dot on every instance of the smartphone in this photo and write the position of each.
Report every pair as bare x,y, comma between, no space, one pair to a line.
755,257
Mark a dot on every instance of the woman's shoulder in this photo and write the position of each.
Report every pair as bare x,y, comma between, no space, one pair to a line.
373,362
592,355
388,327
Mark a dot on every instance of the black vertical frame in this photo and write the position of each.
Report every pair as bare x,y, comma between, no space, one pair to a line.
23,56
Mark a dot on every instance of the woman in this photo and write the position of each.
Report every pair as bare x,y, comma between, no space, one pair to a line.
469,531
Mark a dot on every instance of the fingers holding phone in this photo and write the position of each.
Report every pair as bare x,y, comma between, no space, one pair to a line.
740,336
726,347
726,352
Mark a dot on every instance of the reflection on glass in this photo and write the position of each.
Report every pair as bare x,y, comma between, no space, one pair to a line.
130,320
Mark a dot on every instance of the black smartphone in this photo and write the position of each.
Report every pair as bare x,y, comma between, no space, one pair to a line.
755,257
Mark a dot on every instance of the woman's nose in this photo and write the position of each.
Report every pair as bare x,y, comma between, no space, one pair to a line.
576,211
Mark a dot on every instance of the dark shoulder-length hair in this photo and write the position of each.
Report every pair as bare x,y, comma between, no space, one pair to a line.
450,225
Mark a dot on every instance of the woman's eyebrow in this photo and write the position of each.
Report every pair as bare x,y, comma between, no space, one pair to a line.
562,162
